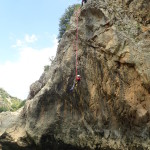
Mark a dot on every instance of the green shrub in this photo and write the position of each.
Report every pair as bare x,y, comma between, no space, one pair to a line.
16,104
9,103
3,109
22,104
64,22
46,68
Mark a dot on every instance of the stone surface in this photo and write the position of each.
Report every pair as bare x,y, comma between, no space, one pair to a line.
110,107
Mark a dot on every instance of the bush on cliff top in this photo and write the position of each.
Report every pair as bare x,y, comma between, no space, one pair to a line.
64,22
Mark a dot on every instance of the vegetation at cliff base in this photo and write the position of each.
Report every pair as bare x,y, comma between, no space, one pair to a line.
8,102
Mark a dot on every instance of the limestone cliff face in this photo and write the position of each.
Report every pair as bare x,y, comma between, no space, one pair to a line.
110,107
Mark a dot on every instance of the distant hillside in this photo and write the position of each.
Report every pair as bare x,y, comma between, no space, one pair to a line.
9,103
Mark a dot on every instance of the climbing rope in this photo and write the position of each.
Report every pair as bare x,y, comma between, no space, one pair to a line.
77,16
75,44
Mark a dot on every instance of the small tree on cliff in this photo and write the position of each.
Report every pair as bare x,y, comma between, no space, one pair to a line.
64,22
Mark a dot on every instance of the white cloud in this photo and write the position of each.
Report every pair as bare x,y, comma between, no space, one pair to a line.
16,77
30,39
27,39
19,43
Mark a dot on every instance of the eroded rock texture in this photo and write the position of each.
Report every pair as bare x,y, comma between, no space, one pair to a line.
110,107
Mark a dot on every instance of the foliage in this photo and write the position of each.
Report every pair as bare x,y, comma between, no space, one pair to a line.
16,104
3,93
46,68
9,103
64,23
22,104
3,109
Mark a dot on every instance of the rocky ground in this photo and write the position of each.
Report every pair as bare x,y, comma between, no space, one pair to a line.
110,107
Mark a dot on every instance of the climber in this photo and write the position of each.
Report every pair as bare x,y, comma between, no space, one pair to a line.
83,1
78,78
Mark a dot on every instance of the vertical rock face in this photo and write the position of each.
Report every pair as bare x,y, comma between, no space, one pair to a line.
109,108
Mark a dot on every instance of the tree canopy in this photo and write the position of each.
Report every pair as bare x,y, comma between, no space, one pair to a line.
64,22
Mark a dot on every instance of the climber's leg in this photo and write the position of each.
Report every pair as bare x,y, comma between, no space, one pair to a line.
72,87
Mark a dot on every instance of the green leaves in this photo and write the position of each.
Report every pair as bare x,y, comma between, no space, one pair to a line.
64,23
9,103
46,68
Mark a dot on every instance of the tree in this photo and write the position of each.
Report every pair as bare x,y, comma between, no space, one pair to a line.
64,23
46,68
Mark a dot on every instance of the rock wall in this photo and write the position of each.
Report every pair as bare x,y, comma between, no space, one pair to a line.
109,108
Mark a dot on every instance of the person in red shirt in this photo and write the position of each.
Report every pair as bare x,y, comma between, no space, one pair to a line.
78,78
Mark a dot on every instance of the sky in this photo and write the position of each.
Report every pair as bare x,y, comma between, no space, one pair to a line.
28,38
